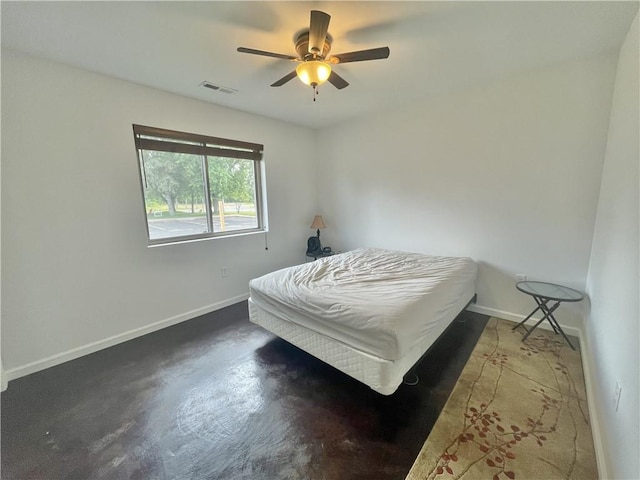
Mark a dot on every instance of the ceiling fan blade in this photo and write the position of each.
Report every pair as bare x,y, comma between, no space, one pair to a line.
337,81
360,56
285,79
265,54
318,27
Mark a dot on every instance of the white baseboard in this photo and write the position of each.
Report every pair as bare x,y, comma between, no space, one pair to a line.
53,360
515,317
601,458
3,380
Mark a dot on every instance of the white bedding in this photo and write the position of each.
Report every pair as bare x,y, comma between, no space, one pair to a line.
380,302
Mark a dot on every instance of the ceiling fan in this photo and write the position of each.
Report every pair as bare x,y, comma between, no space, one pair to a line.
313,48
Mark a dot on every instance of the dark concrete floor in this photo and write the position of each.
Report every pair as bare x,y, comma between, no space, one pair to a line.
219,398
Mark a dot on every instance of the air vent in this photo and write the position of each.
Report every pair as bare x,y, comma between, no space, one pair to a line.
218,88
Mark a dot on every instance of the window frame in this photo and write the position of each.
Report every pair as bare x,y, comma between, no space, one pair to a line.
205,146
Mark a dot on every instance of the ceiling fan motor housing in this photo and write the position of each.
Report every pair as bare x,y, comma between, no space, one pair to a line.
302,47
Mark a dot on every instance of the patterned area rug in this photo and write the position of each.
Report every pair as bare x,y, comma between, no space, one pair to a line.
518,410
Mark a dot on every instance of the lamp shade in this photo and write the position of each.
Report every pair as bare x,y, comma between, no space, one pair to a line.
318,223
313,72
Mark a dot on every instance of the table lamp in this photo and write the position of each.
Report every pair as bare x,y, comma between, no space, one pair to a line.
318,223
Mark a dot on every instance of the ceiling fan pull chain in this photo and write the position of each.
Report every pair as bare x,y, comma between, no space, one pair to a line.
315,92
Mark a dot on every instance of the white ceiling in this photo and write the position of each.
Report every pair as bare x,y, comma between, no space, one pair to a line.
435,46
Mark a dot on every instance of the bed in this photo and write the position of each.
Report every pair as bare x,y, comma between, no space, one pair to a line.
371,313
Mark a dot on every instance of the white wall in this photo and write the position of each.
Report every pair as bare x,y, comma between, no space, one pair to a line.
612,327
3,377
507,173
75,265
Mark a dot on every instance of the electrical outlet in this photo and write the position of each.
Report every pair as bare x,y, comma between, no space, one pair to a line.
521,277
616,395
224,271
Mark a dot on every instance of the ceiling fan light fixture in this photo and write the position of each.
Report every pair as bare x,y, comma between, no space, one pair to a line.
313,72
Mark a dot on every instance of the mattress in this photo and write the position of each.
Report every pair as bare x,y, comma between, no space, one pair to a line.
381,303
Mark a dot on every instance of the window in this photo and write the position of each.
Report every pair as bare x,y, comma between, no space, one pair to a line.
196,186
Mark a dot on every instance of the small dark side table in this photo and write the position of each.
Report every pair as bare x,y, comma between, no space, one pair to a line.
316,256
543,293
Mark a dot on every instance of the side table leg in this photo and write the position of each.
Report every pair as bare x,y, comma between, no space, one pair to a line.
548,313
553,320
528,317
545,310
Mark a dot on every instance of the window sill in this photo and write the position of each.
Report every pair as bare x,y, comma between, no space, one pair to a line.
178,241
